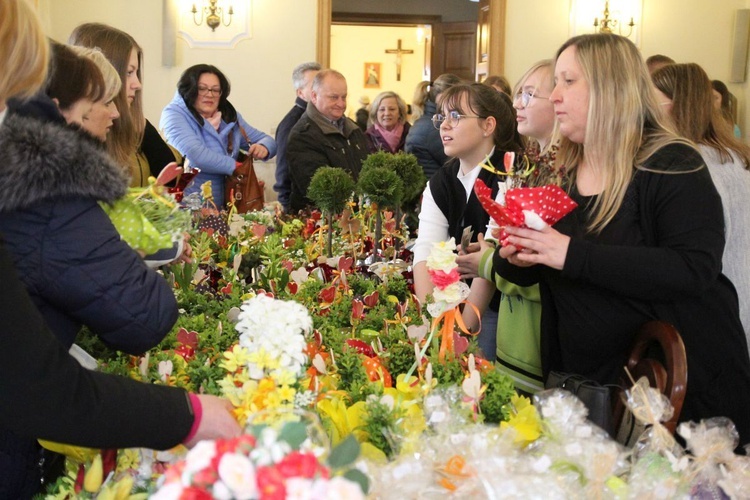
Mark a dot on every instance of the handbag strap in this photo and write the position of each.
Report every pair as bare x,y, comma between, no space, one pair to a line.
231,137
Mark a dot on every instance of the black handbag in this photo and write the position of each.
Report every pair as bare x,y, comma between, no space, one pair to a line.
596,397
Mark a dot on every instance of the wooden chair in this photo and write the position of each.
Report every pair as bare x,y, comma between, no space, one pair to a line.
668,373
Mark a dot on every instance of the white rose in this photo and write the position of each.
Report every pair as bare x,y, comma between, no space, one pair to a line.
238,474
199,457
299,488
340,488
442,256
171,491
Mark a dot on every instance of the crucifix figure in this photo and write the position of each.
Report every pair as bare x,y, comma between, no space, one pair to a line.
398,51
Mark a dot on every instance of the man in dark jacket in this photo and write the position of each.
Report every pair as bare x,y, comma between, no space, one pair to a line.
302,78
323,137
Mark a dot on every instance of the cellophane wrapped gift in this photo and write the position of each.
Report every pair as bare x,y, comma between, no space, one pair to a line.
658,460
715,471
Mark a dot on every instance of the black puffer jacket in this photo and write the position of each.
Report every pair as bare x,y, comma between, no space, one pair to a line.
69,255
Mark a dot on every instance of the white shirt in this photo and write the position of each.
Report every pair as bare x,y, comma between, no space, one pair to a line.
433,225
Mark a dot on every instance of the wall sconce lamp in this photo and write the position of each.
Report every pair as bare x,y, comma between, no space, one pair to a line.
606,24
214,15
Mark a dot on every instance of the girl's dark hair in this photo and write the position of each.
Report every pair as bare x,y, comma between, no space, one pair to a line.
72,77
187,87
485,101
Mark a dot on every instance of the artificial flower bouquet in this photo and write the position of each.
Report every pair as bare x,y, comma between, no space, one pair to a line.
268,462
528,195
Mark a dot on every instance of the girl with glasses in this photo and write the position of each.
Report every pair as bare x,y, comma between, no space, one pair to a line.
423,141
206,129
475,122
520,308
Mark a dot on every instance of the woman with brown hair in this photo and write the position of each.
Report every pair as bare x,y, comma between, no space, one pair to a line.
423,140
687,93
133,141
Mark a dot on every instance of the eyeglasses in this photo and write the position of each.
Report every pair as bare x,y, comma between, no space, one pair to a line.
205,91
526,97
453,118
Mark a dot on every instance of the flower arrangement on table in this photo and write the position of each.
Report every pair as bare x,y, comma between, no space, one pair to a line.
269,462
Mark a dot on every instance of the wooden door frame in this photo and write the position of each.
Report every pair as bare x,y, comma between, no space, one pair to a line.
497,25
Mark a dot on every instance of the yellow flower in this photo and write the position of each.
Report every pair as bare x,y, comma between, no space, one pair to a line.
76,453
408,389
129,458
524,420
342,420
237,358
287,393
92,481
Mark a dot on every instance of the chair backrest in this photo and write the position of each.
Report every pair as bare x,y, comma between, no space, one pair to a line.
669,376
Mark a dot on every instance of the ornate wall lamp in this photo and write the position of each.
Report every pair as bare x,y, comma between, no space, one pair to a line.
607,24
213,13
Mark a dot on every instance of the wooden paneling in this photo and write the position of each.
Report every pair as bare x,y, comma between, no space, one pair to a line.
459,49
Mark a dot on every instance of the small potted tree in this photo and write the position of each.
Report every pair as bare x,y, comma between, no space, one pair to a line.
330,189
384,189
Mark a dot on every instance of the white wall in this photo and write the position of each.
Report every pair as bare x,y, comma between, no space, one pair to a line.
352,46
696,31
260,69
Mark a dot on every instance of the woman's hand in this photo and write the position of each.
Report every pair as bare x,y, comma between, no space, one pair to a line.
217,421
546,246
258,151
468,262
187,250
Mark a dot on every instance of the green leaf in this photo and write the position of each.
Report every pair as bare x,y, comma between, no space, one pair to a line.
294,433
359,477
345,453
369,333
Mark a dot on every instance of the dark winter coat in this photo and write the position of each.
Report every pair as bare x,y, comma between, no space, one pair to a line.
69,255
423,141
315,142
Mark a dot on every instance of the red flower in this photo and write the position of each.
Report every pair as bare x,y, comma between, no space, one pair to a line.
298,464
270,483
442,279
205,478
194,493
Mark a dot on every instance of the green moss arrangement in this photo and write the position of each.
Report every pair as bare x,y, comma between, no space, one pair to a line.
383,187
330,189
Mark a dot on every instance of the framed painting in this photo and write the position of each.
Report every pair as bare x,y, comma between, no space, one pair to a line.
372,75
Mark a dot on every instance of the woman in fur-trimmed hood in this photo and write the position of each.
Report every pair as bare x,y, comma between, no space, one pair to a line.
71,258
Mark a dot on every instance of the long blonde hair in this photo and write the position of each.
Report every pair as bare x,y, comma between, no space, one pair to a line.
24,50
547,65
625,124
112,82
126,135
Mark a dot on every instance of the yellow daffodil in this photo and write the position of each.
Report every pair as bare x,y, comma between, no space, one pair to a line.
342,420
76,453
92,481
524,420
408,389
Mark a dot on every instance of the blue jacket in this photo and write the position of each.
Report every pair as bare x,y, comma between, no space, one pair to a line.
206,148
423,141
67,252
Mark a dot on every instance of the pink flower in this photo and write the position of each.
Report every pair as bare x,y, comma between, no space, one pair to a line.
441,279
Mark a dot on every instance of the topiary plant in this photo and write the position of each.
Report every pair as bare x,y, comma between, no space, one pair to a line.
383,187
330,189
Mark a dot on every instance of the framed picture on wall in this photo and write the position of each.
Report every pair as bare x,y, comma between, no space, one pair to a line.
372,75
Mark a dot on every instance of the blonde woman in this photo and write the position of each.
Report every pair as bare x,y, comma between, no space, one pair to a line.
645,242
133,142
100,119
388,125
686,92
45,392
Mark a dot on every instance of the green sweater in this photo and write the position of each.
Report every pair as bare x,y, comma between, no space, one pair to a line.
518,327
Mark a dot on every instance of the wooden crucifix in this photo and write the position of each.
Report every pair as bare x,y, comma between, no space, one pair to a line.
398,51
